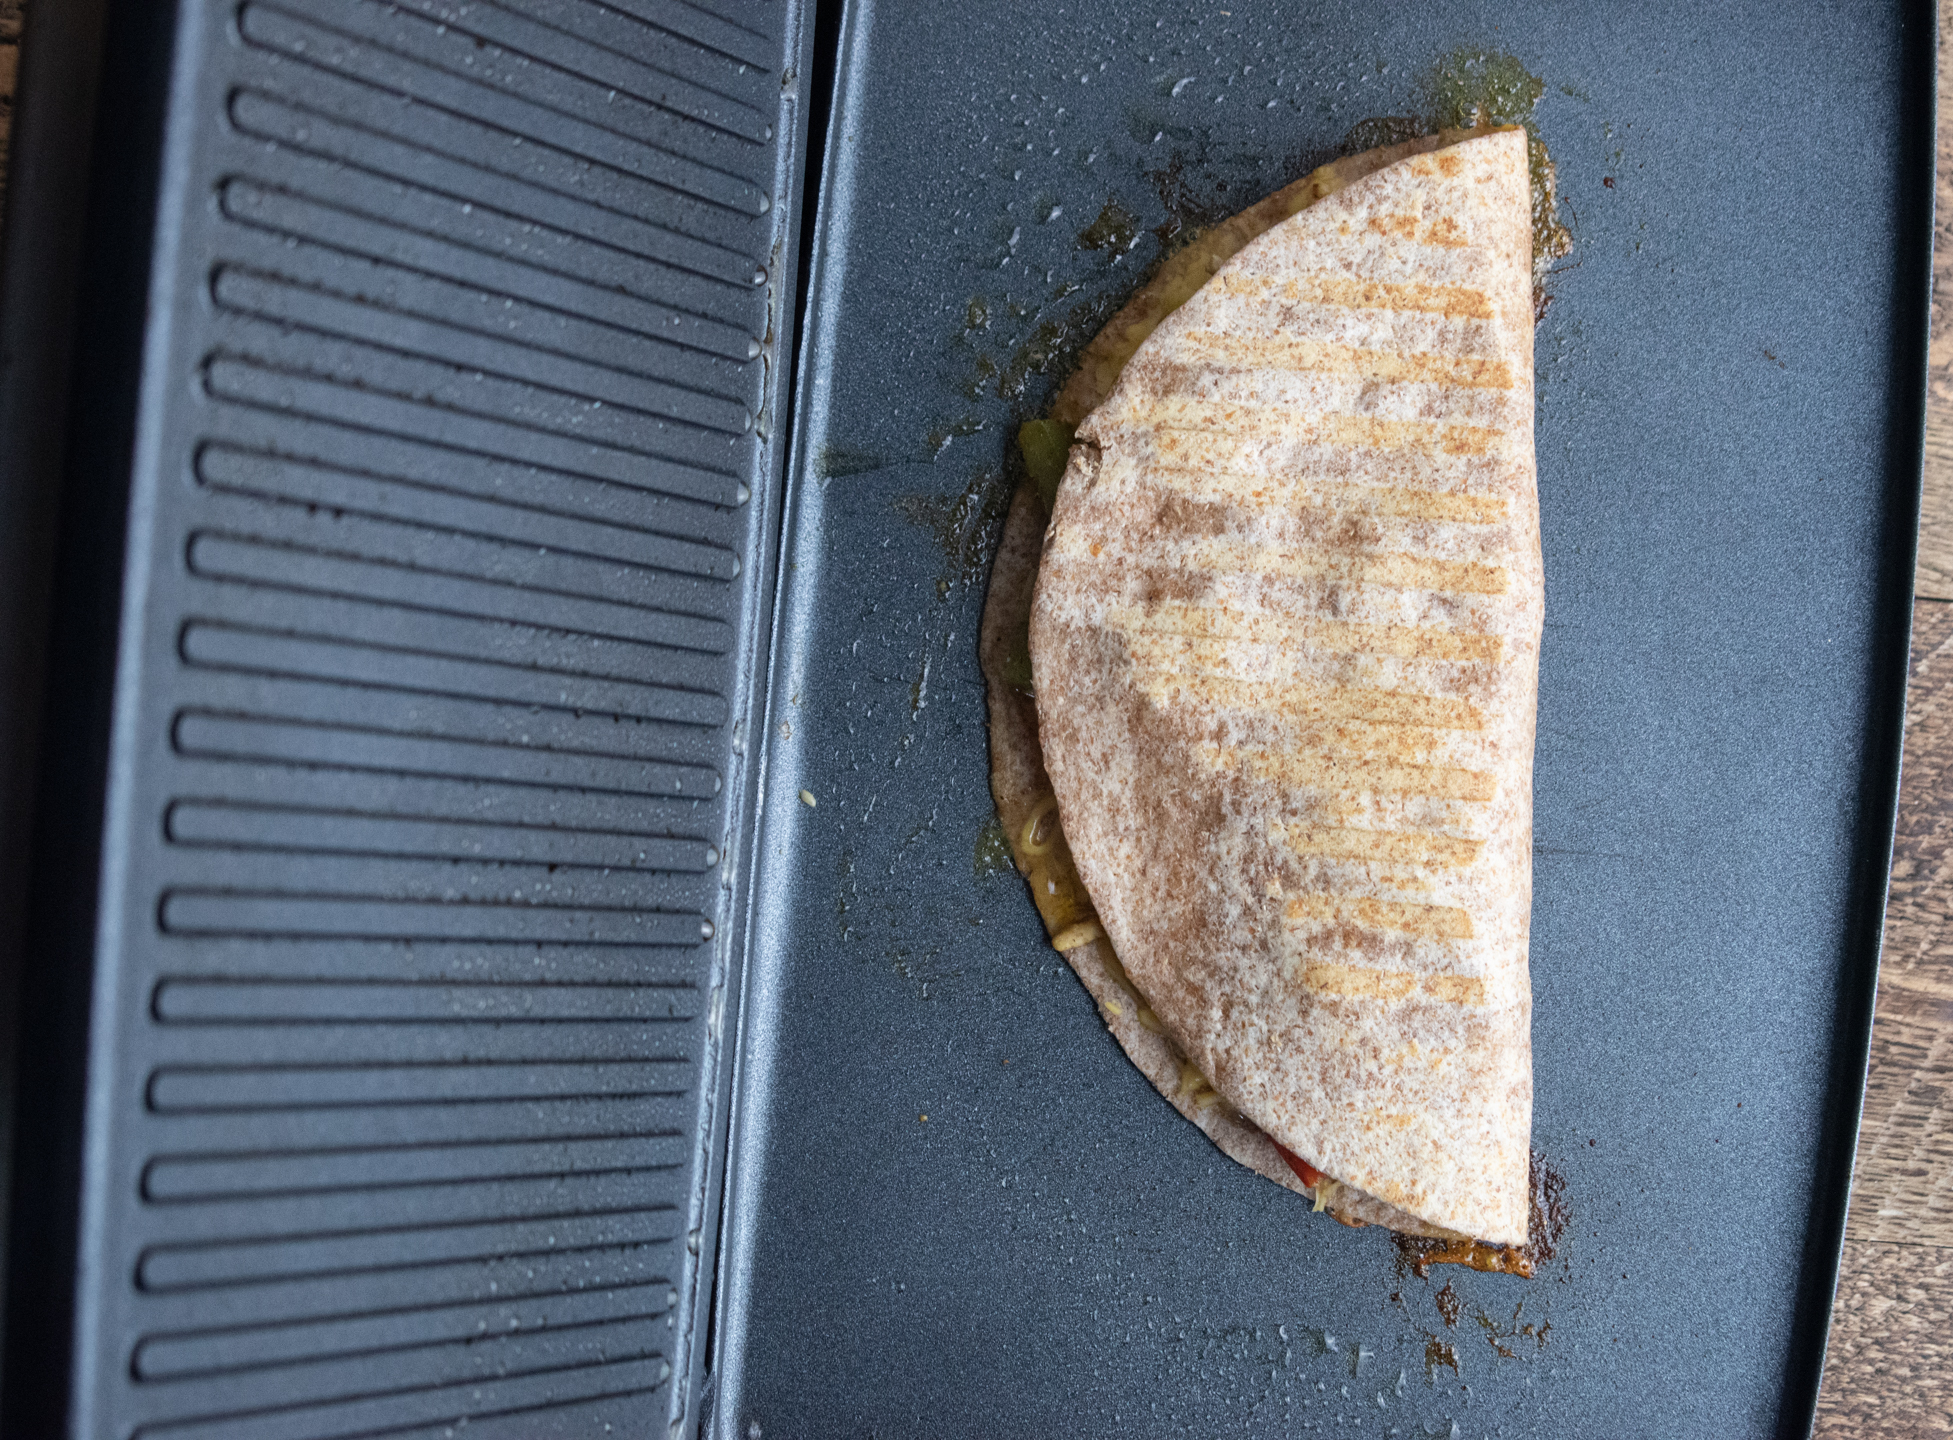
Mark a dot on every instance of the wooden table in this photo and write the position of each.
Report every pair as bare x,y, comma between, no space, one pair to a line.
1890,1373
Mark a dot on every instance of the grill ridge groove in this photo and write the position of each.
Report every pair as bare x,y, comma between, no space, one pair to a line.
312,396
700,186
418,167
267,474
457,525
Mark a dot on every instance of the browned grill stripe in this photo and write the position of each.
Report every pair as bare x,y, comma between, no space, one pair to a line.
1325,463
1299,492
1362,982
1304,699
1267,422
1400,847
1370,740
1340,770
1456,989
1443,231
1454,302
1391,570
1411,642
1435,922
1238,656
1320,357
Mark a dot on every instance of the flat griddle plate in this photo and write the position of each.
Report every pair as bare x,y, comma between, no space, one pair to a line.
1729,406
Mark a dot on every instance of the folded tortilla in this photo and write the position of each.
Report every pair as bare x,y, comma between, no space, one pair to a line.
1274,791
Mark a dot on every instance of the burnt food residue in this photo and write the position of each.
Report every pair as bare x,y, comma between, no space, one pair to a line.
1546,1223
1448,1305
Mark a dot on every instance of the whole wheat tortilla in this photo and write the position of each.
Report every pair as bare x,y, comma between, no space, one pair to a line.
1285,643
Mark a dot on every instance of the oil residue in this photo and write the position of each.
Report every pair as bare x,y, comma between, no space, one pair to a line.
831,462
846,893
1053,347
1479,87
993,850
1115,230
961,428
1188,211
963,525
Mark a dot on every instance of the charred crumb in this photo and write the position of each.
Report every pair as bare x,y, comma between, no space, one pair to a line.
1448,1306
1437,1353
1497,1334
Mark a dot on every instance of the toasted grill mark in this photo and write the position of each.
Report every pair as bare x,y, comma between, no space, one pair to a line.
1363,982
1332,466
1340,770
1392,570
1399,847
1307,699
1284,423
1452,301
1268,492
1456,989
1435,922
1447,232
1369,740
1359,981
1257,353
1272,667
1411,642
1444,231
1188,513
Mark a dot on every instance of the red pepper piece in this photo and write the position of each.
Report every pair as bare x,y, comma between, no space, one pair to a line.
1304,1171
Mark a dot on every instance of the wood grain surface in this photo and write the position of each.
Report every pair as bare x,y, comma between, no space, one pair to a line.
1890,1371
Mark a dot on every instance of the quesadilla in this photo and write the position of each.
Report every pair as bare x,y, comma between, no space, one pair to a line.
1262,733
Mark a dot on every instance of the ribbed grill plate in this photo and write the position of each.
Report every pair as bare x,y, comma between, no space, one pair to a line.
447,568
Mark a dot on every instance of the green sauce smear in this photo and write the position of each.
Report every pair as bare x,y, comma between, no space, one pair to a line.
1469,88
